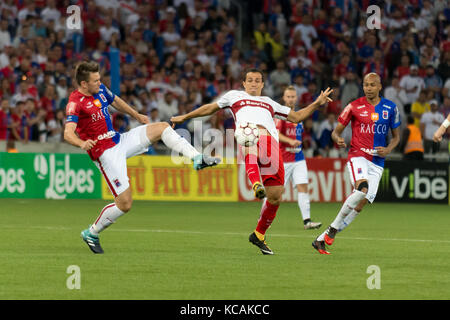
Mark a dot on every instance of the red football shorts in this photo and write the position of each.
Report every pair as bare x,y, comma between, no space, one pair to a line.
270,161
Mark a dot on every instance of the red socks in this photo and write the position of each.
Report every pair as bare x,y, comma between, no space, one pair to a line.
268,213
252,168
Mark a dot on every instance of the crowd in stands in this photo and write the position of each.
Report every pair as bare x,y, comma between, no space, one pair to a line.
176,55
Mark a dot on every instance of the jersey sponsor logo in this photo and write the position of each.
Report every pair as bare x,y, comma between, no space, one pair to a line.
253,103
89,105
373,128
360,107
364,114
97,116
107,135
369,151
294,150
374,116
386,106
385,114
97,103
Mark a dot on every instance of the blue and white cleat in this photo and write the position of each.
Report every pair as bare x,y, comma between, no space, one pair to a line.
92,241
201,161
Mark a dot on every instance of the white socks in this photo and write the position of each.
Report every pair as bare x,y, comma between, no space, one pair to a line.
349,204
304,205
108,216
177,143
348,207
348,219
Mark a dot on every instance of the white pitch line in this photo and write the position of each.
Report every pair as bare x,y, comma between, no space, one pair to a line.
229,233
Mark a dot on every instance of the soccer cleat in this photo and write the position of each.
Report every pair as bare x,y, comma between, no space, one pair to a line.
320,247
201,161
329,235
260,244
312,225
259,190
92,241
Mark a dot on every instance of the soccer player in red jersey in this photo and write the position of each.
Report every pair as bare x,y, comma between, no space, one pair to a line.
371,116
294,161
263,162
89,127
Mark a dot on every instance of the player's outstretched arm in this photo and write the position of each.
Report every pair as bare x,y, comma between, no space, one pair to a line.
71,137
122,106
205,110
442,129
302,114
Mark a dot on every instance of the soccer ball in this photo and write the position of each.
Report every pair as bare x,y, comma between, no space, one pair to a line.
246,134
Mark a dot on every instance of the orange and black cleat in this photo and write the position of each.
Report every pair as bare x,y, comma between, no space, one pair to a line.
330,235
320,246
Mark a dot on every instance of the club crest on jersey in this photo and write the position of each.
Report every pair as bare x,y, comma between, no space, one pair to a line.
97,103
359,171
385,114
374,116
102,97
117,183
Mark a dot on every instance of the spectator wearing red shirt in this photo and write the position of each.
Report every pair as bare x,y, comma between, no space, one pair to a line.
4,109
403,68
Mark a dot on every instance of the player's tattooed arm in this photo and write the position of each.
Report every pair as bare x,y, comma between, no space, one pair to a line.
202,111
302,114
336,135
384,151
122,106
71,137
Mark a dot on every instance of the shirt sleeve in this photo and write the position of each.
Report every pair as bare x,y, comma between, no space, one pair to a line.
395,120
280,112
72,111
108,94
225,100
346,115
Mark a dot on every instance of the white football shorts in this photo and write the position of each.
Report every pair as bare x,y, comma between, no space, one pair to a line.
297,172
113,162
360,168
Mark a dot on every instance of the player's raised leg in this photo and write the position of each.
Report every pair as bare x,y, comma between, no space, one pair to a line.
252,170
162,131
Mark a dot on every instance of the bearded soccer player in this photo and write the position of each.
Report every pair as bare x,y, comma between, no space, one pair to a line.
294,161
371,116
250,106
89,127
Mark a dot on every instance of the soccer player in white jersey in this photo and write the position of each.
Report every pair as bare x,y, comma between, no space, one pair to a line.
263,162
295,168
89,127
371,116
437,137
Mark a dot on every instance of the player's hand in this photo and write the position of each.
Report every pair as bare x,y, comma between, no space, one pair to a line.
88,144
382,151
437,136
142,118
177,120
341,142
323,97
295,143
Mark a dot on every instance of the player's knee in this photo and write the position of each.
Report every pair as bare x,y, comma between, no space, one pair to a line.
363,187
155,130
125,205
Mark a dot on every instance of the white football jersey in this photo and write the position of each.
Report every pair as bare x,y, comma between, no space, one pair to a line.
259,110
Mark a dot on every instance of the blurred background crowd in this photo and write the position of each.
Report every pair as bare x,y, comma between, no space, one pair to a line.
176,55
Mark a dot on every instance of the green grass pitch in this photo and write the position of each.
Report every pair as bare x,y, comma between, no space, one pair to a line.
172,250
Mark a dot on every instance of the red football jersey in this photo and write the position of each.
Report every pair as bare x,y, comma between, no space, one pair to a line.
93,119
